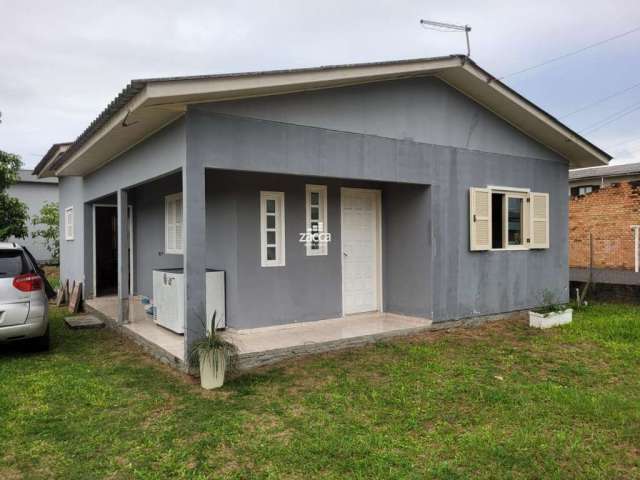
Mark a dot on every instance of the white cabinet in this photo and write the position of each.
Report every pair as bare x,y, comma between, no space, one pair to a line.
168,298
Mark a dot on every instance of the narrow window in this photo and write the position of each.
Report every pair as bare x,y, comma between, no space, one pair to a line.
68,223
173,243
272,239
497,201
316,205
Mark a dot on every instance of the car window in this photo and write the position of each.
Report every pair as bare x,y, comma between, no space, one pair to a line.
12,263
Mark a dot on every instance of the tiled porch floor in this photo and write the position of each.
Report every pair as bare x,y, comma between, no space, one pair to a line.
261,346
266,345
141,324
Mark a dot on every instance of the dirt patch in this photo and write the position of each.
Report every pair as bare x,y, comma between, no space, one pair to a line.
9,473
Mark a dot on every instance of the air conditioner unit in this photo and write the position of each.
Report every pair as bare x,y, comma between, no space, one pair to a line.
168,298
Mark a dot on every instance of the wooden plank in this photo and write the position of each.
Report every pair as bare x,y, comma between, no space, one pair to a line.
76,298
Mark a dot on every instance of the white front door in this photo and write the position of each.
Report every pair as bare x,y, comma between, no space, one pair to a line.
360,246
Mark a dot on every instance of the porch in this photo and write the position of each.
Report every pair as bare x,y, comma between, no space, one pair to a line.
159,342
277,290
262,346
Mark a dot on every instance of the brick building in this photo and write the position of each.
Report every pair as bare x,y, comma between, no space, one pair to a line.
604,207
608,215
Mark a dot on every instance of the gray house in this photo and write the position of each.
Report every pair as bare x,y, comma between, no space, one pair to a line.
34,192
431,192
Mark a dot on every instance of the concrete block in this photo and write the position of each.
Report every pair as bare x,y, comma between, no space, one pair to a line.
83,322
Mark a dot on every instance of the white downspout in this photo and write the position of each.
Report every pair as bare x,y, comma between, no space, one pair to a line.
636,239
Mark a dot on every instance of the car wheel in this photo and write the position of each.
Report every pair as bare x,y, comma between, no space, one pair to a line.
41,344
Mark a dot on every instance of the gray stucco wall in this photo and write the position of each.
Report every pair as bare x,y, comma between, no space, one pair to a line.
459,283
34,195
159,155
72,258
424,110
307,287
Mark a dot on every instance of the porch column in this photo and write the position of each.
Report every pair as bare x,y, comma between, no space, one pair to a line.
123,257
194,231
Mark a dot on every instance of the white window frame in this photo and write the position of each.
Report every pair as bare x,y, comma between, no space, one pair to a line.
168,249
527,218
279,229
321,190
69,227
524,196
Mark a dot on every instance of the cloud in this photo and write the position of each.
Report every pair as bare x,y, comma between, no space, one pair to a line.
63,62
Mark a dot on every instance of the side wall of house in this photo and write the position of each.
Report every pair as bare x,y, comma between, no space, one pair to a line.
35,195
158,156
72,251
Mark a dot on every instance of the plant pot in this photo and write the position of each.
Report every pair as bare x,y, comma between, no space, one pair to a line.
552,319
212,368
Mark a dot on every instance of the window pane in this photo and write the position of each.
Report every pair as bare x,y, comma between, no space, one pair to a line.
315,213
271,221
271,238
315,245
315,198
271,253
514,213
271,206
12,263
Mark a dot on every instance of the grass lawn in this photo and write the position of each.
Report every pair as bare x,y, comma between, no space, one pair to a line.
499,401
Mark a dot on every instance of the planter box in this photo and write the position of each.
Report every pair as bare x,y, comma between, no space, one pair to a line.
539,320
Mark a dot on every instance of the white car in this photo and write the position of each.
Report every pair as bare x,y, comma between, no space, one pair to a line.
23,298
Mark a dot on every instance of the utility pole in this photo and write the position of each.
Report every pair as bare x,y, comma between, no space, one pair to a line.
449,27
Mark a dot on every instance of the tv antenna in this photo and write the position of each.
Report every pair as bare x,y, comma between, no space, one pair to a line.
448,27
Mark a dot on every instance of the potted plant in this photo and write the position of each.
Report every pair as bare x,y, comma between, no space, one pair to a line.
214,355
551,314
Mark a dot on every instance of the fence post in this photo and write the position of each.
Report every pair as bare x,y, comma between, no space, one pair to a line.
636,241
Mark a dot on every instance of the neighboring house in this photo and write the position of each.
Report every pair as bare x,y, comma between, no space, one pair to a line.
34,192
444,192
604,224
583,181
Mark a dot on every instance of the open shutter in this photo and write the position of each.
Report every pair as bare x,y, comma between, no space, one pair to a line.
178,224
480,218
539,220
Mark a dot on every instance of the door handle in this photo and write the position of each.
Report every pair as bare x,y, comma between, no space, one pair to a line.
345,254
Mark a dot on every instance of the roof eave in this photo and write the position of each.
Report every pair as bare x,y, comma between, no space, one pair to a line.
146,105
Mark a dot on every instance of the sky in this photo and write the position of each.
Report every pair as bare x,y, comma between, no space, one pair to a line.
62,62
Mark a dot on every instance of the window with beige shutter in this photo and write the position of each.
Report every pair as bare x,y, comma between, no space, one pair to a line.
505,218
539,220
480,221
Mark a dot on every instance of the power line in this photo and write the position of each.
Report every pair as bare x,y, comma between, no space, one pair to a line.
602,100
631,140
611,118
575,52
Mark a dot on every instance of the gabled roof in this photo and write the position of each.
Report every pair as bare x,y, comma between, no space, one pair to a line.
147,105
609,171
55,151
27,176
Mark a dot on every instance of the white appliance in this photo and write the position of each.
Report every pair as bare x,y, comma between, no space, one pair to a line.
168,298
